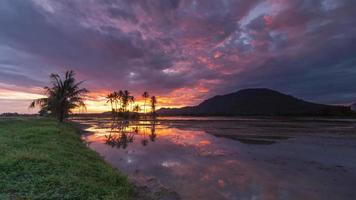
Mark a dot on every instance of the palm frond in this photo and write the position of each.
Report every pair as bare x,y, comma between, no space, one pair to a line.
39,102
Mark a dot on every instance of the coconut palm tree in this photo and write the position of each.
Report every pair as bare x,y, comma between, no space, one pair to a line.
132,101
116,97
153,105
145,95
62,97
110,98
126,98
120,95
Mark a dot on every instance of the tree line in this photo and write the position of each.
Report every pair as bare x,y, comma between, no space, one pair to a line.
65,94
123,102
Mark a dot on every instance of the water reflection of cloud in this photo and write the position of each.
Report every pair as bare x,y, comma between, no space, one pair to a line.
214,168
169,164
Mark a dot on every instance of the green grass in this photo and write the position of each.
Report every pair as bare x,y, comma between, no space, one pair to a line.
43,159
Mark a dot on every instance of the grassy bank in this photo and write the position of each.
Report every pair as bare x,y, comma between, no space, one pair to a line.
43,159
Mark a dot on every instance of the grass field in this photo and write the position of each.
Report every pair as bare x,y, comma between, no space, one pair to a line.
43,159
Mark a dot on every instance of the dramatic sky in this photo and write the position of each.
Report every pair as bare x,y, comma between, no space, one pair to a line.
182,51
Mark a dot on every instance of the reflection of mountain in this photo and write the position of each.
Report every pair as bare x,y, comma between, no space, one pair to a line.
256,102
124,132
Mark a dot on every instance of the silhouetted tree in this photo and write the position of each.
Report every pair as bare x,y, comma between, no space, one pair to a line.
153,105
63,96
120,100
145,95
125,100
115,97
110,98
132,101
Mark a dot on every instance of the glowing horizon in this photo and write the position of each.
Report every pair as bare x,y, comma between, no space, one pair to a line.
95,102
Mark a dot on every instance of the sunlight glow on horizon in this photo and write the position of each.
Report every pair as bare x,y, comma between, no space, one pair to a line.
100,105
95,102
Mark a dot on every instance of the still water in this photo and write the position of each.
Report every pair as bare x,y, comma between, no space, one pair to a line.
231,158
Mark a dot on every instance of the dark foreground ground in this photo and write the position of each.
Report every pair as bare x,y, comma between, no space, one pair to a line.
43,159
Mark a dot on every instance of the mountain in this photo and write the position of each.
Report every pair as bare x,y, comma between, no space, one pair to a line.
259,101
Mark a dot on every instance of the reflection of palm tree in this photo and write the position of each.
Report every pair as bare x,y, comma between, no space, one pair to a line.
123,133
136,130
123,139
110,140
63,96
153,131
145,95
144,142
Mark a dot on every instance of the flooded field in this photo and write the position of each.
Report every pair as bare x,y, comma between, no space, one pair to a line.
231,158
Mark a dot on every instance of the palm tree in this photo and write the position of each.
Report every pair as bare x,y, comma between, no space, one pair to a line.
110,98
145,95
132,101
153,105
126,98
63,96
116,97
120,95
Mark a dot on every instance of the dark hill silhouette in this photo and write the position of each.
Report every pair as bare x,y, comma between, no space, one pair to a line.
258,101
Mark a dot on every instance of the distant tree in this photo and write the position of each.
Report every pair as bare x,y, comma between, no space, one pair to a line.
145,95
110,98
115,101
132,102
62,97
119,96
153,105
126,98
